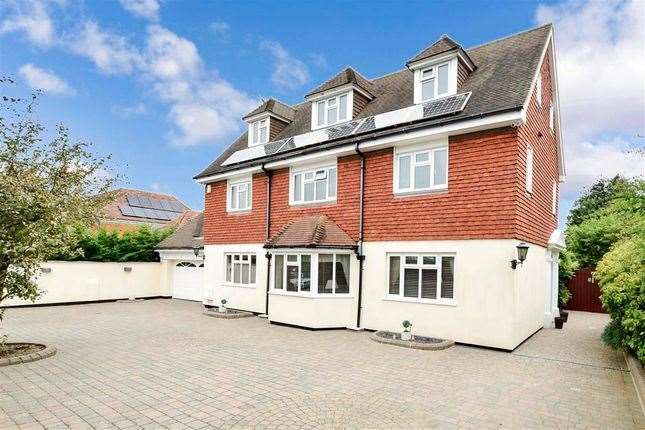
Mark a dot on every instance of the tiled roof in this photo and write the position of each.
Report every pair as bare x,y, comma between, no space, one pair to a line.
273,106
444,44
501,82
347,76
112,212
187,235
315,231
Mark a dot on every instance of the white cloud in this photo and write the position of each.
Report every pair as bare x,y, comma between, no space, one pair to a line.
601,65
169,56
220,28
148,9
130,111
289,72
318,59
111,53
45,80
32,18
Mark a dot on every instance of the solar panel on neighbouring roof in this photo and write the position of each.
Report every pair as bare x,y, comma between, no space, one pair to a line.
155,204
133,201
126,210
139,212
165,205
445,106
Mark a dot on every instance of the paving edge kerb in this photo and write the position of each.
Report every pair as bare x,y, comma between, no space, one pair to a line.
48,351
414,345
228,315
638,376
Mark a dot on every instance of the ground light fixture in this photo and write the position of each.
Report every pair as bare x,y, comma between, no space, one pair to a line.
522,250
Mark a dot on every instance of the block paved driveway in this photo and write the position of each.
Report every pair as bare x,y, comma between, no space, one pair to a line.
160,363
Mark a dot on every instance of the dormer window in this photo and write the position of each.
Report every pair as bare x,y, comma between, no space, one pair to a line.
434,81
331,110
259,132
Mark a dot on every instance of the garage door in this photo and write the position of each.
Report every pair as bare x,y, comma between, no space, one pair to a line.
188,281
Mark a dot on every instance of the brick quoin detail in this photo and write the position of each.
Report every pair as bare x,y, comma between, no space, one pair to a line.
486,197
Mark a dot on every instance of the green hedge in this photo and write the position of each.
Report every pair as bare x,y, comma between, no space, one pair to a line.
111,246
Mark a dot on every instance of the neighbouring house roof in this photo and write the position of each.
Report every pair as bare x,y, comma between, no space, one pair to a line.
273,106
138,206
315,231
187,236
344,77
500,83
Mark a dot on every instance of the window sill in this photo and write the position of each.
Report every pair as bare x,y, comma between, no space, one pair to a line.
420,301
313,204
230,284
437,191
240,212
311,295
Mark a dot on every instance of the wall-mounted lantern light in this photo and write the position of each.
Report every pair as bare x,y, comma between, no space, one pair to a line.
127,269
46,269
522,250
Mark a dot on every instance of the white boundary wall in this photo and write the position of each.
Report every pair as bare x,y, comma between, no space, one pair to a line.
84,281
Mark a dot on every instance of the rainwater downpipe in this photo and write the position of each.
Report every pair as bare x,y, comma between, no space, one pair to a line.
269,175
359,248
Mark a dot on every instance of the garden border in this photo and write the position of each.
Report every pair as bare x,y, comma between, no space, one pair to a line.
46,352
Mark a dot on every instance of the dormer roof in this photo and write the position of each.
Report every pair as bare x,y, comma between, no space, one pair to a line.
347,76
274,107
444,45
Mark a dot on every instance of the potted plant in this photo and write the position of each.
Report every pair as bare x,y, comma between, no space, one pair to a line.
559,321
407,330
222,307
564,295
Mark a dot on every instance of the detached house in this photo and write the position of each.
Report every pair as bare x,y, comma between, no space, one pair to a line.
407,196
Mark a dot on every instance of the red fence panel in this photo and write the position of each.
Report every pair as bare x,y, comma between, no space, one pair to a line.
585,292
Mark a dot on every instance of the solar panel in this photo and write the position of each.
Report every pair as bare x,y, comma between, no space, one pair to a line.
176,206
155,204
165,205
133,201
126,210
289,144
139,212
367,125
273,147
341,130
445,106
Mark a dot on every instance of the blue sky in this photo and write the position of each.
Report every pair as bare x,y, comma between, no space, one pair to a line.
162,85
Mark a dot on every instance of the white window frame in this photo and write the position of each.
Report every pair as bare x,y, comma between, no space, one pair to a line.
238,258
551,117
232,202
554,202
255,135
412,152
529,169
325,99
313,286
451,62
437,265
314,170
538,89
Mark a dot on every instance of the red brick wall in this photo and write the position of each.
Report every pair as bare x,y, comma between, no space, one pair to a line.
478,202
535,220
224,227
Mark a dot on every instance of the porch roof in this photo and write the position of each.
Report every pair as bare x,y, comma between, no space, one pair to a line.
314,231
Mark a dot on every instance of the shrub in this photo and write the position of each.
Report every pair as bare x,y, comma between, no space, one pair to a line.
621,275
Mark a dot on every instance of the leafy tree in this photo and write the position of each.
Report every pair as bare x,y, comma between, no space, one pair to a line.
621,274
104,245
47,189
595,198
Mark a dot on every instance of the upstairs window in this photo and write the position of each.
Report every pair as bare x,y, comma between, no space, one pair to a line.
529,169
260,132
434,81
239,196
551,117
331,111
313,185
538,89
421,170
421,277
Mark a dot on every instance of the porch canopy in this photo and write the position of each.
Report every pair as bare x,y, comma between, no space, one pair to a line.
313,231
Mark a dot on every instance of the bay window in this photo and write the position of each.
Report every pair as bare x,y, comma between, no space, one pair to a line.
240,269
331,111
421,277
313,185
327,272
421,170
239,195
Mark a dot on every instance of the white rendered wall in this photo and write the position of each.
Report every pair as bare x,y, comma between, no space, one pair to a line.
489,310
251,298
83,281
